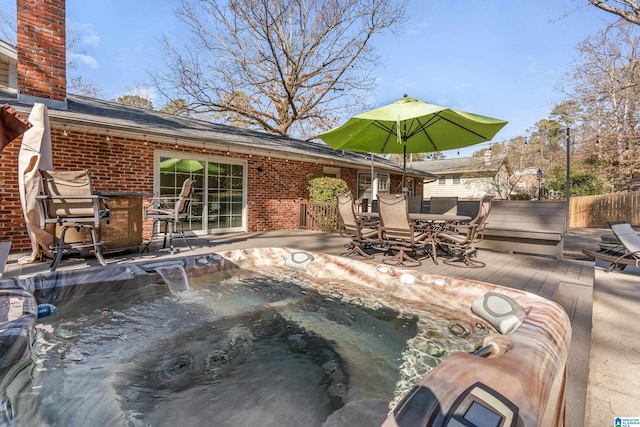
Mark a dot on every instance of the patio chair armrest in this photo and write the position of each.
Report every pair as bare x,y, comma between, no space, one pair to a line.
42,211
383,228
91,196
101,210
100,206
158,205
162,202
163,199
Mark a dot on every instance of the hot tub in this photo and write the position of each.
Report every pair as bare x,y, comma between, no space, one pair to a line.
510,372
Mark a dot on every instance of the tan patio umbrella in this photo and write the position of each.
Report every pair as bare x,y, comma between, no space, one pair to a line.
35,154
12,125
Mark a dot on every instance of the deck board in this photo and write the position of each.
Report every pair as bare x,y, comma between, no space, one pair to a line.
577,302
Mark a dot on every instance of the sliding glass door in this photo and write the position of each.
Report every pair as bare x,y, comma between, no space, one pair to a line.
225,185
219,194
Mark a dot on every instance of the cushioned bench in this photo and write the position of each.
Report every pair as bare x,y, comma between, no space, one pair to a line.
529,227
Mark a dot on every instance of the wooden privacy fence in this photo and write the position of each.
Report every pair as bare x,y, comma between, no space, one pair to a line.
322,216
597,211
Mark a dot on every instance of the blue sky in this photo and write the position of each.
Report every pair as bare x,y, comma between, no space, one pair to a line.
499,58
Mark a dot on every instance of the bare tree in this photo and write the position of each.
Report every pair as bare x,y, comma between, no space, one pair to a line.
289,67
80,86
7,27
76,83
626,9
606,84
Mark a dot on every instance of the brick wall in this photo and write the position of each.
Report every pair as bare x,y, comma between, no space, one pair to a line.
42,62
12,226
275,186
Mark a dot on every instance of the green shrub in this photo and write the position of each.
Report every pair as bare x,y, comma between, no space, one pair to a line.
324,189
519,196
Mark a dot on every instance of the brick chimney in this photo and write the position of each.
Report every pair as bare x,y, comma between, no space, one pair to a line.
42,52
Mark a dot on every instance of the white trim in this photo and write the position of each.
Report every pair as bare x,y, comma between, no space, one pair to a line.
212,159
330,170
9,51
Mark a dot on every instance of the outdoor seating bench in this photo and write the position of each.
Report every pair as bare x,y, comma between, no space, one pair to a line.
529,227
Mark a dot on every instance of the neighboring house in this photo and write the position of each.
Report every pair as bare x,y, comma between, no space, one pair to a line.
250,181
8,66
467,177
528,182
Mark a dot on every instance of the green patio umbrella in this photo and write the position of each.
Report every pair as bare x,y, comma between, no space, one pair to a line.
181,165
410,125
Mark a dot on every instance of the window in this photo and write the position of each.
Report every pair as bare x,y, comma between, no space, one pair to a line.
383,184
364,185
173,172
456,179
218,190
225,195
442,180
331,172
410,184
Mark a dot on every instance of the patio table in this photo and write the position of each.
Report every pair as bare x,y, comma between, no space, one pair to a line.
432,224
439,218
421,218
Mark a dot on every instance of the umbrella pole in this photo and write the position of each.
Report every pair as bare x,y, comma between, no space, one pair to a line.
372,178
404,166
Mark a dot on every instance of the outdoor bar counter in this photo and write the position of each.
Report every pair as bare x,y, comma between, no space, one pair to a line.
124,229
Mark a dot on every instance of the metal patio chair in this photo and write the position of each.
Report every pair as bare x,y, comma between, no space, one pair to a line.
397,231
364,235
461,239
626,253
170,211
67,200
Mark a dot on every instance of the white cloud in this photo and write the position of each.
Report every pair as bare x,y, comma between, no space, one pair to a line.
85,33
83,58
